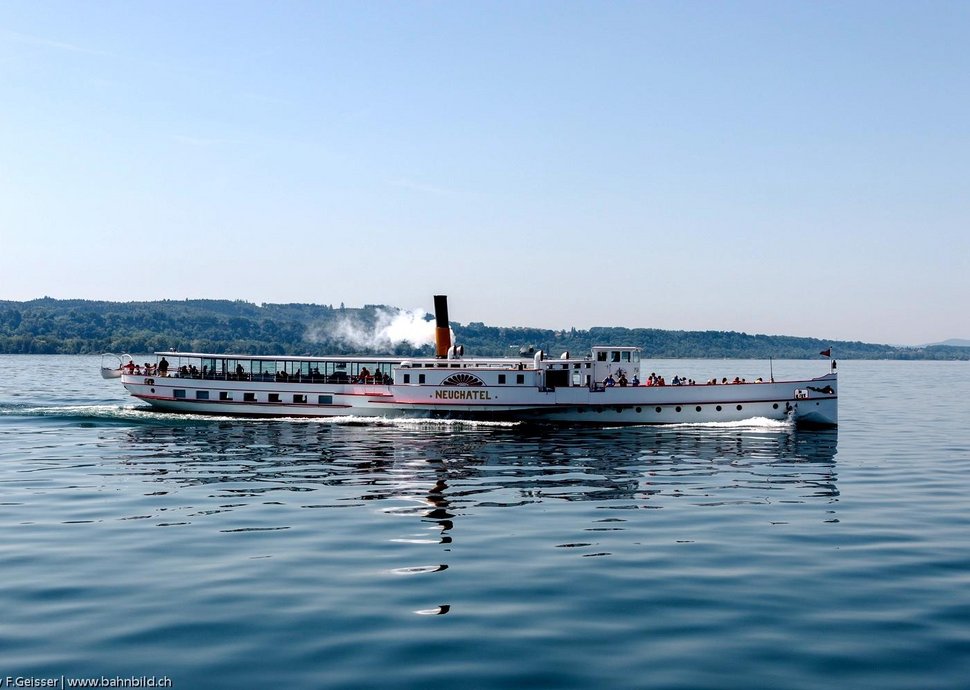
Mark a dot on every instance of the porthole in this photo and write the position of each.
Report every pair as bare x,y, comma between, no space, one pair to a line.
153,390
698,408
739,408
775,406
619,409
658,409
677,408
639,409
718,408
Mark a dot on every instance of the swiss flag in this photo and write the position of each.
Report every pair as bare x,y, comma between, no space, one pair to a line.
826,353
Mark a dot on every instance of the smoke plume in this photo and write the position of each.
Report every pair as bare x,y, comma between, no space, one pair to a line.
390,327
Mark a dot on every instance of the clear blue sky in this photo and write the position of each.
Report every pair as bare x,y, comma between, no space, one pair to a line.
797,168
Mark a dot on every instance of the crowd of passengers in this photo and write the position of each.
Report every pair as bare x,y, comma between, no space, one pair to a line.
655,380
312,376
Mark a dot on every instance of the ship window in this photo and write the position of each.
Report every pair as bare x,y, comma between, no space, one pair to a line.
615,355
421,378
249,397
698,408
600,356
520,378
501,378
626,356
299,398
639,409
274,397
775,406
223,395
657,408
202,395
739,407
718,408
178,393
407,378
677,408
325,400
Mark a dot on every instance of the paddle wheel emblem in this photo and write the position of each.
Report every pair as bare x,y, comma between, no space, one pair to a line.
462,380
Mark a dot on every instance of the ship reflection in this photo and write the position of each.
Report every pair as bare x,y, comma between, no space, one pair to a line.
439,477
449,467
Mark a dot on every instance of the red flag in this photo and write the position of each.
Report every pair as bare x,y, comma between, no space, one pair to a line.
826,353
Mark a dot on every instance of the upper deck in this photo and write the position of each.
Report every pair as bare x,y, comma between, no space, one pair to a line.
592,370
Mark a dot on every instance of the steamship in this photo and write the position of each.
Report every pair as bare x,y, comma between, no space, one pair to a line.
599,388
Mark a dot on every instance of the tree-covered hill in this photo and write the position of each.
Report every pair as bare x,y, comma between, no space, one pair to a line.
49,326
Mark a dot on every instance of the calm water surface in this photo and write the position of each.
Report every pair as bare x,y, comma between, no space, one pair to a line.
227,553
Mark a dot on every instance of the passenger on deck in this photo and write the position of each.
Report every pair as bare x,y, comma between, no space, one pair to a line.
163,367
130,367
635,380
609,382
623,382
240,371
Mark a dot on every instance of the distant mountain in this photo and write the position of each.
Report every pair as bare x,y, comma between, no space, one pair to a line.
952,342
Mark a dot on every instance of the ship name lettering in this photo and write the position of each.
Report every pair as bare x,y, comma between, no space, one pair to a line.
462,395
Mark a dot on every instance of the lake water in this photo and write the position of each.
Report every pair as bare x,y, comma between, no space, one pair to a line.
313,554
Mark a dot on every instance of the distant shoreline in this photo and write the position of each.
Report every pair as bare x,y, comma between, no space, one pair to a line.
50,326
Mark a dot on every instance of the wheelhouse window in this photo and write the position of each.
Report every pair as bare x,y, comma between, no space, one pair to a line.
202,395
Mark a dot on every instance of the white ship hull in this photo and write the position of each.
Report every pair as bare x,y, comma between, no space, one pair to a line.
811,401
